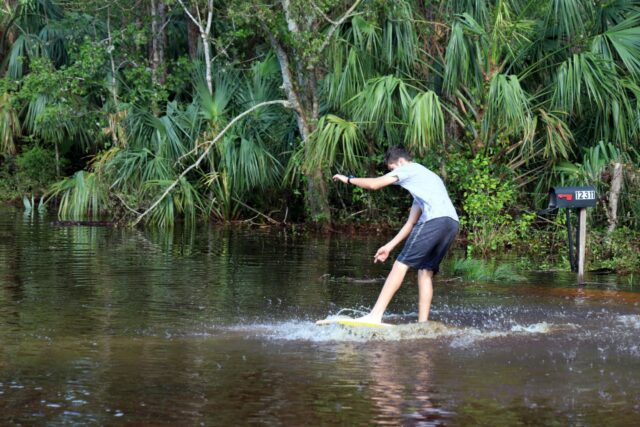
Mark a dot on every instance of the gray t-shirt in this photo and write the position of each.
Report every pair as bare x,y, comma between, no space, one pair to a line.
427,189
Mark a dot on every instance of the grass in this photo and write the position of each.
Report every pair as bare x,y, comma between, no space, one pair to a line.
485,271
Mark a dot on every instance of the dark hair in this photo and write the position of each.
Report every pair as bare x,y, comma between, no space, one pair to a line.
393,154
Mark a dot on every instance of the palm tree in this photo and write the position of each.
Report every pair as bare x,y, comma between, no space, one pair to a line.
543,76
160,147
373,99
32,25
527,85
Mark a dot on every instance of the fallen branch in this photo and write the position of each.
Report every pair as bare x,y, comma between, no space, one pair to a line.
125,204
210,144
267,217
347,279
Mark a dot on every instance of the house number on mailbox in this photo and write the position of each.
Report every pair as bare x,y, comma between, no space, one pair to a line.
585,195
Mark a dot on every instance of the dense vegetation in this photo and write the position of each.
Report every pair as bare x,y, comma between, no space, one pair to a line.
239,109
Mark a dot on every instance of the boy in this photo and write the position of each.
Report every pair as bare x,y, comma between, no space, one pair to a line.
431,228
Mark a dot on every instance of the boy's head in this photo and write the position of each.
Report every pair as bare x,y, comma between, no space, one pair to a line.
394,155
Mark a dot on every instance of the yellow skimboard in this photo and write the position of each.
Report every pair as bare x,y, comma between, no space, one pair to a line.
348,321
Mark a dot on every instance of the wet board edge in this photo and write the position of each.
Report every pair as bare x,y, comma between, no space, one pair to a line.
352,322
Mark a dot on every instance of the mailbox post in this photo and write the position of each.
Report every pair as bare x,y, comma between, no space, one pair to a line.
578,198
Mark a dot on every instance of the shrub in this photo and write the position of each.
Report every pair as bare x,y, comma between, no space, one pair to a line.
488,198
36,169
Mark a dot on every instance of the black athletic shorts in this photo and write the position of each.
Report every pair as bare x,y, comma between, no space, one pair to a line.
428,243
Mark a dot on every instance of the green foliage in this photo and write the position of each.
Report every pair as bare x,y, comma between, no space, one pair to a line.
585,74
36,170
462,68
8,179
594,163
488,197
472,269
81,196
618,251
508,106
621,42
509,97
337,144
595,168
383,103
426,123
10,129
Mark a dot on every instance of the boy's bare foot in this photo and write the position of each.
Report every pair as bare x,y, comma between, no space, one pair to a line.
370,318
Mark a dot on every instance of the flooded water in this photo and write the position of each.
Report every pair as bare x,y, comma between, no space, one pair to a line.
104,326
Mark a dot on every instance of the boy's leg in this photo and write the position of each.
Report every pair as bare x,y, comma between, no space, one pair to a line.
425,293
391,286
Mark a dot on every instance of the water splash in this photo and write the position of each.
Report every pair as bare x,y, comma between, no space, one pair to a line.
629,320
308,331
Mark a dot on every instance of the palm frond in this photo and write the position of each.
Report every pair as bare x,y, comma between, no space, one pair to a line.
426,122
347,79
294,170
462,67
383,100
247,163
568,17
213,106
594,162
508,106
139,125
255,166
478,9
624,38
17,56
223,205
172,133
510,34
366,36
35,109
336,142
585,75
81,196
558,139
53,41
183,201
612,13
35,13
618,111
267,68
156,168
127,170
399,37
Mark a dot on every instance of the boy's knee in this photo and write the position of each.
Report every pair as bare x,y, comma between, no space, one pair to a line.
425,272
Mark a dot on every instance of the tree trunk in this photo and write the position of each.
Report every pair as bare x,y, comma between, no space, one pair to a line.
614,196
317,198
204,29
57,150
158,41
138,14
192,40
113,118
207,61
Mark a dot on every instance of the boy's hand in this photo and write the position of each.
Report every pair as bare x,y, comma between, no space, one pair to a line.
341,178
381,255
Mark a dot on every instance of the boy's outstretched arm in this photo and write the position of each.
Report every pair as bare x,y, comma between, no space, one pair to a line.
367,183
